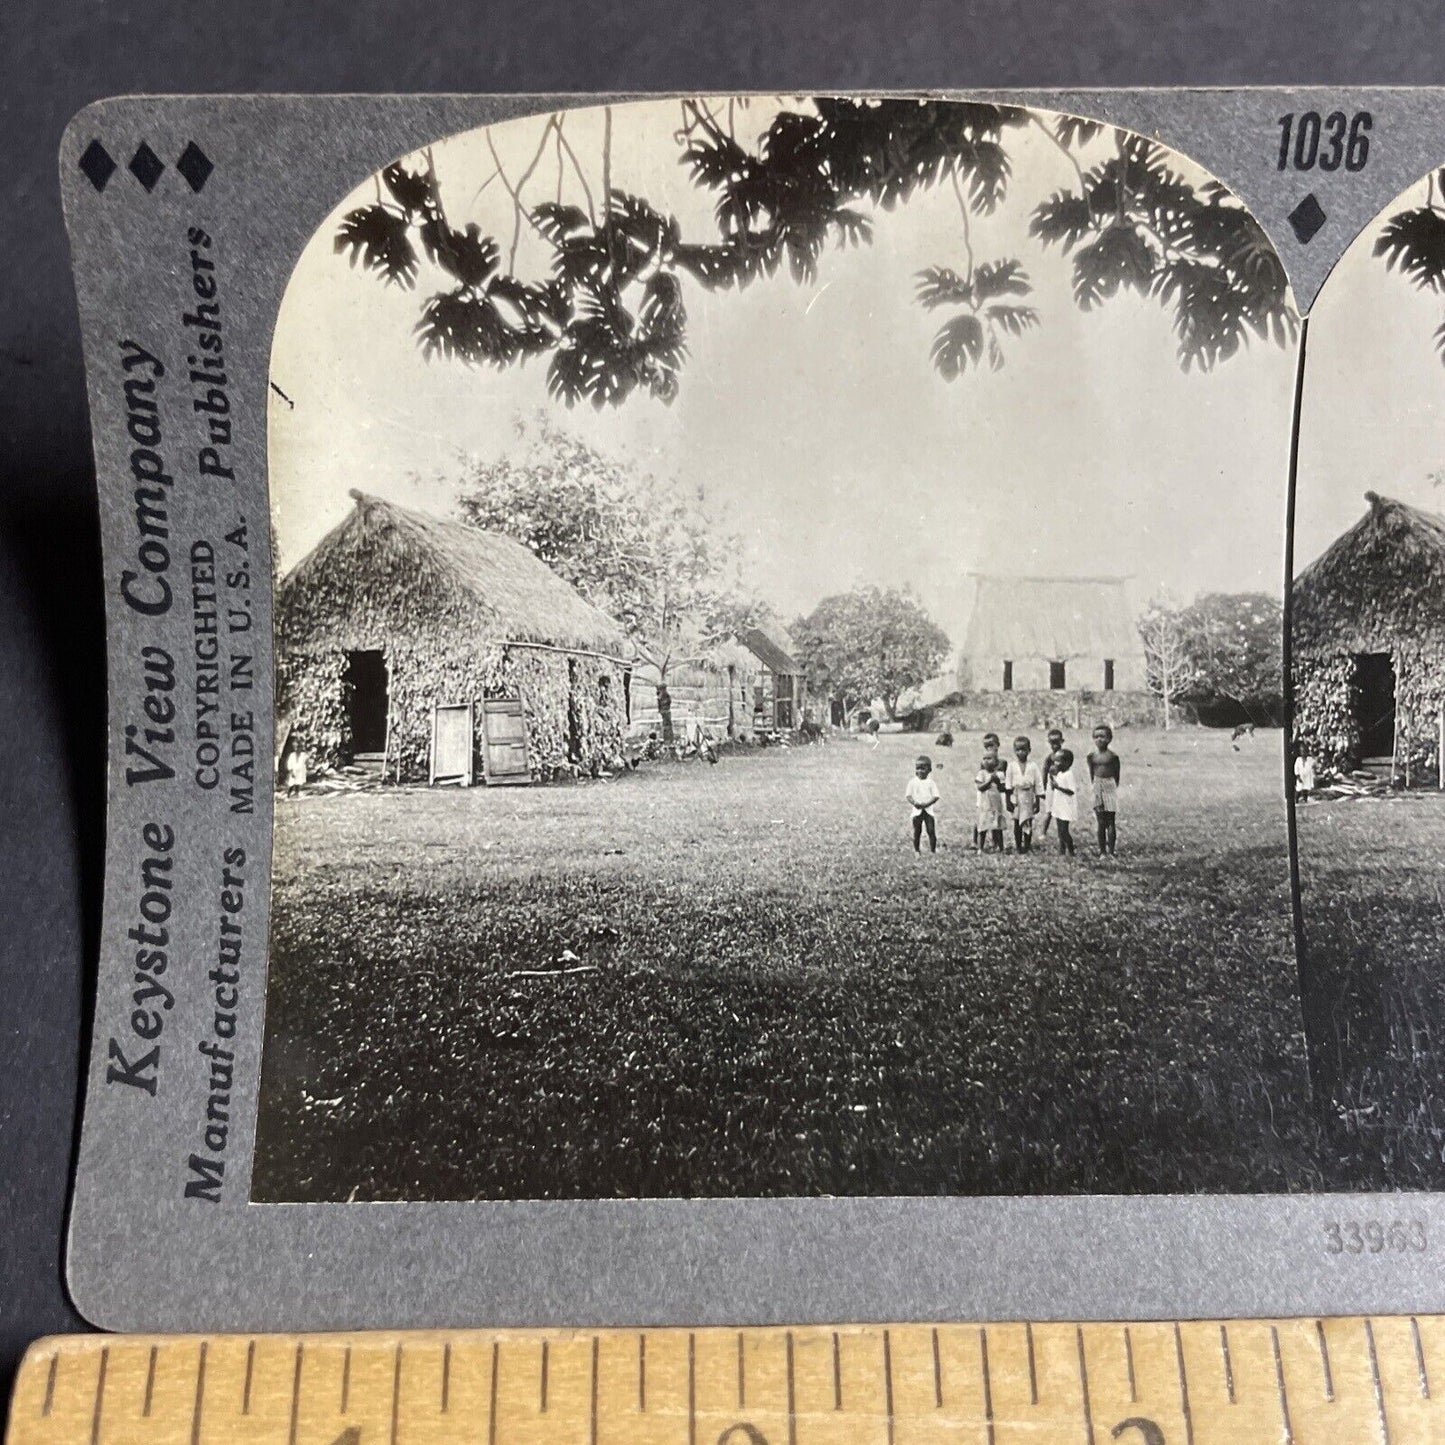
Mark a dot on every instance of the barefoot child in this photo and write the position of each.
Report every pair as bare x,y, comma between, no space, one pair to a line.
923,793
1304,776
1056,742
1023,783
296,768
1064,783
988,822
1104,778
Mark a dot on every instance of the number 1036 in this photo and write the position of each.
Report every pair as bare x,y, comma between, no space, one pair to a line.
1307,141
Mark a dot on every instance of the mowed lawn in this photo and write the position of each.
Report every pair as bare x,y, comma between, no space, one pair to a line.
779,997
1374,901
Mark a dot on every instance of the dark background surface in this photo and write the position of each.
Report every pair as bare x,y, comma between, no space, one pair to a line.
57,55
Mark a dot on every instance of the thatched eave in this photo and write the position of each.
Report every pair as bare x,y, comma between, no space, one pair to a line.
1050,618
387,568
1376,586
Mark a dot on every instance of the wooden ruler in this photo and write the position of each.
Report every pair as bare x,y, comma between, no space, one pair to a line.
1196,1383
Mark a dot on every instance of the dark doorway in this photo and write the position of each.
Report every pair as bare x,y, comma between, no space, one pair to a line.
574,714
1056,676
366,701
1375,704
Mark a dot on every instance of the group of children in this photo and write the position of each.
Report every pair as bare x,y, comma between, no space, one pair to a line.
1024,792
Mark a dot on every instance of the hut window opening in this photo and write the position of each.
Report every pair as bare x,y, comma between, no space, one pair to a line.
1374,700
1108,674
366,702
1008,676
1056,677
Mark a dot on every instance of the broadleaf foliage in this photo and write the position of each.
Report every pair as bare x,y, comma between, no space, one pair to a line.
612,314
1413,242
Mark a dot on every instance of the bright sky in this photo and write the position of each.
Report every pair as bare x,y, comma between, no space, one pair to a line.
812,415
1374,403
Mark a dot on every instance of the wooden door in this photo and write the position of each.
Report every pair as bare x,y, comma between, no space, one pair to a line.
504,728
451,743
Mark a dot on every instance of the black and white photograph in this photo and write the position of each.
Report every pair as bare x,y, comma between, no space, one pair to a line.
779,629
1368,671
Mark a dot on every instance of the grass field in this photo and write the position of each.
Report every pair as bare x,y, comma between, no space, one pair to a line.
779,996
1374,901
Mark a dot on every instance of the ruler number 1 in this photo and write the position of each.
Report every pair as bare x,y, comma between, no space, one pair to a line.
1307,141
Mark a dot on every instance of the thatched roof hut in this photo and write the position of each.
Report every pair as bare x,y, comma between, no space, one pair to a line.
711,692
780,695
444,570
1382,578
1368,640
395,614
1051,634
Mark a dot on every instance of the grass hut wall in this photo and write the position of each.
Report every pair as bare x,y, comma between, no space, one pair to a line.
716,692
395,612
1368,642
1059,644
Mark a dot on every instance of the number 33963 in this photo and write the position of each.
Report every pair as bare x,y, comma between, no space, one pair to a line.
1374,1236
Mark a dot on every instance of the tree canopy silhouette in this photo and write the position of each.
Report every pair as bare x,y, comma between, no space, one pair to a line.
1413,242
611,311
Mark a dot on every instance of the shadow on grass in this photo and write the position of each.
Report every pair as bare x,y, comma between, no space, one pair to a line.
1375,986
780,998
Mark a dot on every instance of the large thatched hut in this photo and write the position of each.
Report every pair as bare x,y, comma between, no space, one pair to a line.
1043,649
1368,642
442,651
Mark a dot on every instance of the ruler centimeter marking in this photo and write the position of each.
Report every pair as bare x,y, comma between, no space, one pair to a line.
1183,1386
1302,1382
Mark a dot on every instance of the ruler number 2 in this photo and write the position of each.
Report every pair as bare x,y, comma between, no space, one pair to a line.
1307,141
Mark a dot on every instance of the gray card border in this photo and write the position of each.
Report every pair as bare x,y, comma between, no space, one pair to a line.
142,1256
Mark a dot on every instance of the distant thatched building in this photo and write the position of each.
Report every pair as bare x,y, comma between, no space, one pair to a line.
780,694
445,651
1368,641
1057,640
715,693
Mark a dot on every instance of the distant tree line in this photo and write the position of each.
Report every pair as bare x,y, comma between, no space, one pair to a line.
1222,652
870,643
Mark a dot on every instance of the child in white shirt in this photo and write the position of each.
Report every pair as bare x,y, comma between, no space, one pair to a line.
1023,784
295,769
923,793
1065,787
1304,777
988,781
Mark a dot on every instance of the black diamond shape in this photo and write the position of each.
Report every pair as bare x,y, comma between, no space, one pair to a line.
195,165
97,165
146,166
1306,219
